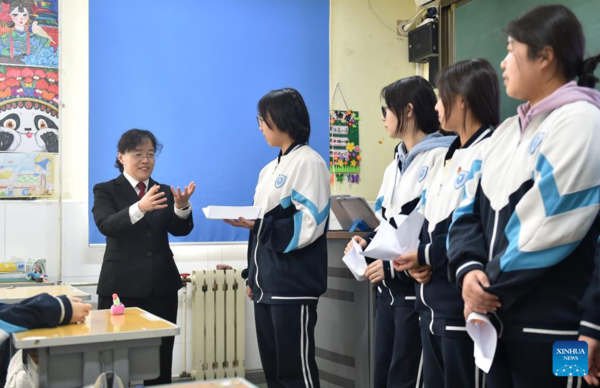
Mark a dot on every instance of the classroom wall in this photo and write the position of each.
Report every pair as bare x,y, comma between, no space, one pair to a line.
366,55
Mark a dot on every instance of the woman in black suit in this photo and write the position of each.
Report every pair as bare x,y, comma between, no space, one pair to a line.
136,214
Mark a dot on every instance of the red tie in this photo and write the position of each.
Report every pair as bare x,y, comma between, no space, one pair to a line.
142,187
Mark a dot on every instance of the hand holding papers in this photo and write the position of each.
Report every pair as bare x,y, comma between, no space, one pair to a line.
231,212
485,337
389,242
355,261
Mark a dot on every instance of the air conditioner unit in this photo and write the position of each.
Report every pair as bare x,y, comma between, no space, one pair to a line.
421,3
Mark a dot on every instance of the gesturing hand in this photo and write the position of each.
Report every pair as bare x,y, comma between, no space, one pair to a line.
182,199
152,200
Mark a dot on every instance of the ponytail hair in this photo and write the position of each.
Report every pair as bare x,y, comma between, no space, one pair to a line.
586,74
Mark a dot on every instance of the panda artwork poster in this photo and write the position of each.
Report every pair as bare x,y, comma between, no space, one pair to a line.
29,106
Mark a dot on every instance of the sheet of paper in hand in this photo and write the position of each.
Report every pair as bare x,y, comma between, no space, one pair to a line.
485,337
355,261
390,242
231,212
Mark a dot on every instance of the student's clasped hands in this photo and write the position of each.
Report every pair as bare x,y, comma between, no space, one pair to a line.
475,297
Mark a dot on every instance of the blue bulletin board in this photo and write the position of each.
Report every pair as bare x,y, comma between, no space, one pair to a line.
192,72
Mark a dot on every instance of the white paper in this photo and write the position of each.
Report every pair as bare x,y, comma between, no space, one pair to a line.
231,212
485,337
355,262
389,242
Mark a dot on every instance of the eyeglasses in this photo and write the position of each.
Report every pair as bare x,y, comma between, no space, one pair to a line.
137,156
259,120
383,111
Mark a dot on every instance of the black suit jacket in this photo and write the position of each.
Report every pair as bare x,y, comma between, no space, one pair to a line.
138,259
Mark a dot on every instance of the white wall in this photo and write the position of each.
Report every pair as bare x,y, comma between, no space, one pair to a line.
365,56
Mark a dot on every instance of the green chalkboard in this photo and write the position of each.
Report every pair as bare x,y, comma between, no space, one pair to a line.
480,24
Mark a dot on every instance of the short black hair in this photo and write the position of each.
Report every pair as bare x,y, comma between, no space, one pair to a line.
477,82
558,27
418,92
131,139
286,109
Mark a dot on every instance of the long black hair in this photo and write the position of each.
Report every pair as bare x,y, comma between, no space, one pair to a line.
131,139
417,92
286,109
558,27
477,82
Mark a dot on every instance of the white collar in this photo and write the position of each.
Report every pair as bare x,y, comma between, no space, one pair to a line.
134,182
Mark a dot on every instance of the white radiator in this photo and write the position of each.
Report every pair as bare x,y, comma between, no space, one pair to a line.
218,321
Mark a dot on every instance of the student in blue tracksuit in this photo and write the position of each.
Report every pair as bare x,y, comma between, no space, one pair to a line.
287,251
522,243
410,116
40,311
469,104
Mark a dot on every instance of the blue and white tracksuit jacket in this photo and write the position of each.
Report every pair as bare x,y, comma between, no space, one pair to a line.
287,249
40,311
528,220
403,182
439,303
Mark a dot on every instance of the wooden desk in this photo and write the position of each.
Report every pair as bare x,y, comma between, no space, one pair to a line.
17,294
74,355
236,382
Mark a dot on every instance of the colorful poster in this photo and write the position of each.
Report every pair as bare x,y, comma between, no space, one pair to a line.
29,33
344,149
26,175
29,104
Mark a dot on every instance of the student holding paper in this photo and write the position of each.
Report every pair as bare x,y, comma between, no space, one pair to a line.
522,244
409,115
287,249
469,104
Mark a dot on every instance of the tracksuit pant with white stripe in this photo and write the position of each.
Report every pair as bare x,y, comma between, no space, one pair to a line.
286,343
523,364
448,362
397,345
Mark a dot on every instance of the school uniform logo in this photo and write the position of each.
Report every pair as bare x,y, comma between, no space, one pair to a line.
570,358
280,180
461,179
423,173
535,143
